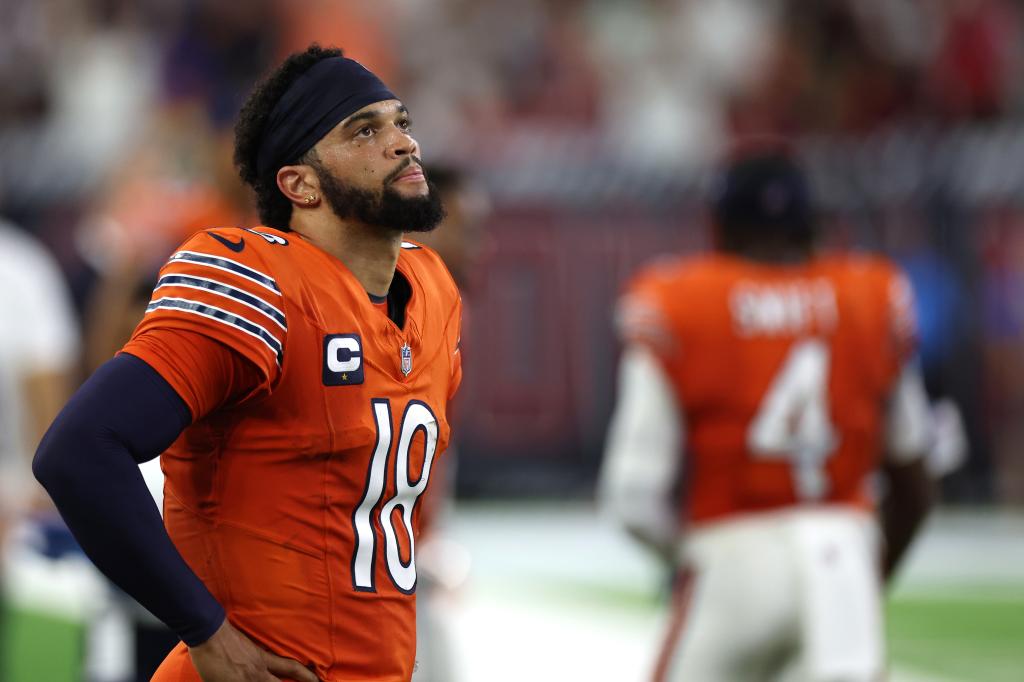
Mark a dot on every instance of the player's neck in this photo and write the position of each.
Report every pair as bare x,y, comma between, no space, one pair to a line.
369,253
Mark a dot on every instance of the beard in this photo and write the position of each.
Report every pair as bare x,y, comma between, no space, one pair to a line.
386,210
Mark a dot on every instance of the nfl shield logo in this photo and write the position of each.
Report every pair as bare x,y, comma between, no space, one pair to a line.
406,360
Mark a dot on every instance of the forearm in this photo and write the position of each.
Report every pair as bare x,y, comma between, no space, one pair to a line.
904,509
909,488
87,462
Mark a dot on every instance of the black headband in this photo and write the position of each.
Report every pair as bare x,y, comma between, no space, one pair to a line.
318,100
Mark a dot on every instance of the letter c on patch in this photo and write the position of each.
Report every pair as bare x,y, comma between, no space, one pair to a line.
343,360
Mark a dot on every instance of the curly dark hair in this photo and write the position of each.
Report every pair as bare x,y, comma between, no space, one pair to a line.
274,208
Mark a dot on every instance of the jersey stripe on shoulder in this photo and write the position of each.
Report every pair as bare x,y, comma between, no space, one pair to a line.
226,264
223,317
227,291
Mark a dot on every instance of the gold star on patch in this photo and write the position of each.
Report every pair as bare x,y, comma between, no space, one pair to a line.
344,377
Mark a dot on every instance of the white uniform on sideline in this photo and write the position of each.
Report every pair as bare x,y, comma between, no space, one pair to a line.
38,336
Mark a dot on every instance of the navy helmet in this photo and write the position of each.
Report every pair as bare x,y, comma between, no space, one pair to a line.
763,195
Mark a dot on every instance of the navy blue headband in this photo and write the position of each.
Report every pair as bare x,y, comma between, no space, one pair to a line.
318,100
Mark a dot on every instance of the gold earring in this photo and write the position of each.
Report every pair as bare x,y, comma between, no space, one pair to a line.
310,199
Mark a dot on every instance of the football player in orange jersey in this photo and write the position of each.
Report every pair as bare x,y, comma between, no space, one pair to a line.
761,388
295,377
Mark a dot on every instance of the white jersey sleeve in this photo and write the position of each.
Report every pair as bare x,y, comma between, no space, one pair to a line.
643,452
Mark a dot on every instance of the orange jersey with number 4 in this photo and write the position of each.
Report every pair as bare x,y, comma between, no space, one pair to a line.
782,373
296,502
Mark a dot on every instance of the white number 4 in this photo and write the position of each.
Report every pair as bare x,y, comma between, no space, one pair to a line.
793,421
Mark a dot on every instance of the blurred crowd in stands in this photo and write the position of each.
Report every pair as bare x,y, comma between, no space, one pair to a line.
591,122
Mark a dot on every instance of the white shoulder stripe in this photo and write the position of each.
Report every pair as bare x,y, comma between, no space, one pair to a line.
227,291
227,265
224,317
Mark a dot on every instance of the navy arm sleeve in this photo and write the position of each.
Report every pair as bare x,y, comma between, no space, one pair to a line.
88,462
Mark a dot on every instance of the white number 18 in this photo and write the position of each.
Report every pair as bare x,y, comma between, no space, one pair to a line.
417,417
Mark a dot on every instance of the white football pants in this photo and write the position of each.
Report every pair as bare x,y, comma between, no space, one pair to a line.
791,595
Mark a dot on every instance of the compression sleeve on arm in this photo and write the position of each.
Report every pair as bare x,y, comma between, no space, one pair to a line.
124,414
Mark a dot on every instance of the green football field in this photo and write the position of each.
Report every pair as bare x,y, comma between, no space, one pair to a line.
968,634
554,594
582,592
940,634
40,648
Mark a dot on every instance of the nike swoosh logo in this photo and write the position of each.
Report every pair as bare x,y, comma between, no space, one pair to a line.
234,246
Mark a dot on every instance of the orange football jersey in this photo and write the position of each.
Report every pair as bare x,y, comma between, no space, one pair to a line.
782,373
297,502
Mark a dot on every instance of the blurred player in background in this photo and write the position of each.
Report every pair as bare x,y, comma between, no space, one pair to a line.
761,388
39,351
443,563
297,376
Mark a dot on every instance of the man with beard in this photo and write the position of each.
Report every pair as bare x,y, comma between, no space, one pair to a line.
295,377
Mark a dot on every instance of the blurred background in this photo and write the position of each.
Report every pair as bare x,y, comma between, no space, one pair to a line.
584,132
